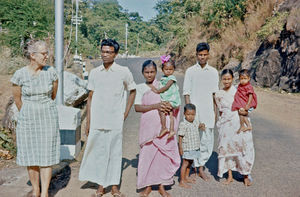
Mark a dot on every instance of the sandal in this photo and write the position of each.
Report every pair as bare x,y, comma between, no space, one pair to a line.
99,194
144,195
118,195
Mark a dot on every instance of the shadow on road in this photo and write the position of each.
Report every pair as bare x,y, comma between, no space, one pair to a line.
212,165
60,181
133,163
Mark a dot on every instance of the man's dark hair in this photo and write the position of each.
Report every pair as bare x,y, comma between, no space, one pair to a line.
189,106
244,72
202,46
111,42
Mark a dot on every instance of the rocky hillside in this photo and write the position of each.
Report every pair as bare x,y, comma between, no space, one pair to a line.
276,63
260,35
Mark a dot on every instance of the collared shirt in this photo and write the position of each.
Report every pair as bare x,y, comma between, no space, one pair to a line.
200,83
109,97
190,133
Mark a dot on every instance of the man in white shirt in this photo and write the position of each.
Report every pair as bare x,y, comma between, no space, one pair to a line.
106,112
200,83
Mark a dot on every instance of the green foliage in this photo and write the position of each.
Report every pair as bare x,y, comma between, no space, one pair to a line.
172,17
23,19
274,25
7,142
220,12
107,19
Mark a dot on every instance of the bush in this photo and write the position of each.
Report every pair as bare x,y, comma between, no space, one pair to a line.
220,11
8,148
23,19
273,26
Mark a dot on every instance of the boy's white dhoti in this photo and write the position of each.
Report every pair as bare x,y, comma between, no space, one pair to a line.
206,145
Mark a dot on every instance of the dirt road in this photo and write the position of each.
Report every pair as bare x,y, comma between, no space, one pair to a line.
276,170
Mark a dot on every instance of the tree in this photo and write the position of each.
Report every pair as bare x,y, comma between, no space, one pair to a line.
23,19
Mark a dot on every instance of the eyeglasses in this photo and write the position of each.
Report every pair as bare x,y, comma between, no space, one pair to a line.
108,52
43,53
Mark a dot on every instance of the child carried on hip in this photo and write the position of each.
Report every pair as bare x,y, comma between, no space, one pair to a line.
169,92
245,100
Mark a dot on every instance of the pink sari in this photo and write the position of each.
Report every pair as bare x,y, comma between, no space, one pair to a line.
159,157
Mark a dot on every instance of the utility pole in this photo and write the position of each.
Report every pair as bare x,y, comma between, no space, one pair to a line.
68,117
126,37
137,44
76,21
59,48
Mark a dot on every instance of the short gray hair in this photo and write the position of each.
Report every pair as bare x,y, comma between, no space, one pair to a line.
32,46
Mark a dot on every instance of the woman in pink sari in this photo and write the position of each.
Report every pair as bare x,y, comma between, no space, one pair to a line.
159,157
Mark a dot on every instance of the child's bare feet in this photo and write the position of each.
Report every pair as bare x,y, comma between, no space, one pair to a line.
171,134
184,185
247,181
241,129
247,129
163,132
228,181
203,175
190,180
193,176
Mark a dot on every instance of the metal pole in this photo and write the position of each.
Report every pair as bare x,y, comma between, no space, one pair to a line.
137,44
59,48
126,36
76,24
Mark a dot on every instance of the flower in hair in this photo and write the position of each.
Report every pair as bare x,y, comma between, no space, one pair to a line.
165,59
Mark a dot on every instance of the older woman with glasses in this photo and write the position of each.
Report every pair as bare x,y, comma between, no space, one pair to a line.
38,142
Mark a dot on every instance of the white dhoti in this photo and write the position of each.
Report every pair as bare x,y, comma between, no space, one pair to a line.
206,146
102,159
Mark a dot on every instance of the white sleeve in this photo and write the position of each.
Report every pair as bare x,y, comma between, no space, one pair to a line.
130,84
216,87
91,82
187,84
139,95
216,82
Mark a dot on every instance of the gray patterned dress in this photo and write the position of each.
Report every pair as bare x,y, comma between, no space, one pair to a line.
38,140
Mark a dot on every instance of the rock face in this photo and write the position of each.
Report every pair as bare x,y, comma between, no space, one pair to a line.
75,92
277,65
9,120
267,68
